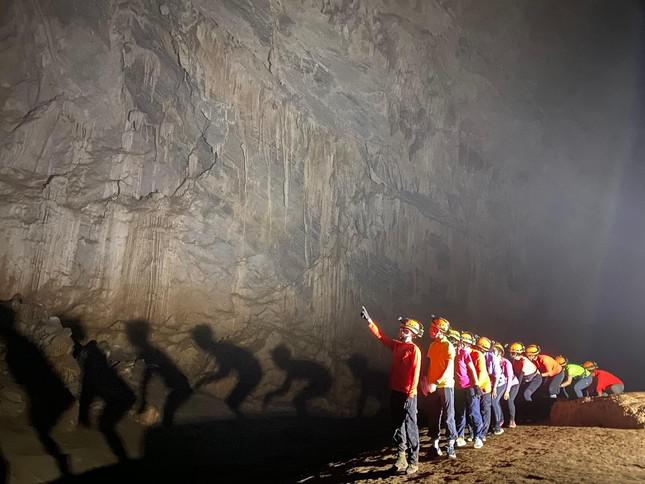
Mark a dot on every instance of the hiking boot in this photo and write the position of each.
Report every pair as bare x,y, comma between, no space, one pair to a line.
401,463
478,443
498,431
450,452
412,469
461,442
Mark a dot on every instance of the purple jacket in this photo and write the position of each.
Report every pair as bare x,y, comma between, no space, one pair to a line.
507,370
494,370
462,377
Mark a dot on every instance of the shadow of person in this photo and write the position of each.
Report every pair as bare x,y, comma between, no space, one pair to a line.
229,358
373,383
4,469
48,396
318,379
157,362
99,379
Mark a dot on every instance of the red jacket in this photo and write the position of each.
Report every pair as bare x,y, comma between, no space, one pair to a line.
604,380
406,363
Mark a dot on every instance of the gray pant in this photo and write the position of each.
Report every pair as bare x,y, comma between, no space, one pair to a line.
404,423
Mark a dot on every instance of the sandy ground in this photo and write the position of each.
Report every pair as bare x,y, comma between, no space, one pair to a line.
523,454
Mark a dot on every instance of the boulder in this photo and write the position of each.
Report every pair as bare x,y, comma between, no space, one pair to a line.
626,411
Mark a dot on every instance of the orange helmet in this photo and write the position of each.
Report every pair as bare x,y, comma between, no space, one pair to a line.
499,347
484,343
516,348
532,350
590,365
413,325
561,360
442,324
467,338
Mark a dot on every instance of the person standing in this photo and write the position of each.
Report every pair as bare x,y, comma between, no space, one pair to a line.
483,386
441,386
511,387
404,378
494,371
467,393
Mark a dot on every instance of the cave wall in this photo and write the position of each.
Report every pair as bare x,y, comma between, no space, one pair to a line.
267,166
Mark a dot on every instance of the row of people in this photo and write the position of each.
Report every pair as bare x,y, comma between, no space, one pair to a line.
465,380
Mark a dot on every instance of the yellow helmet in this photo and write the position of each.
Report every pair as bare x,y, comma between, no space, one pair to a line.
413,325
467,338
484,343
499,347
561,360
532,350
590,365
442,324
454,335
516,348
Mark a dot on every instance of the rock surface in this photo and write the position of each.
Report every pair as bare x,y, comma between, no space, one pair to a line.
625,411
265,167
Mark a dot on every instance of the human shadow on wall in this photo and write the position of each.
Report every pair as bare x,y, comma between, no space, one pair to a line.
4,469
100,380
229,358
373,383
157,363
48,396
317,377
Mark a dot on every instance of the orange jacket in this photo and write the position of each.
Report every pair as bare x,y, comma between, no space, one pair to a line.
548,365
406,363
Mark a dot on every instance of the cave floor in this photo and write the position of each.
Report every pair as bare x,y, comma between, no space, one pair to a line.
295,450
524,454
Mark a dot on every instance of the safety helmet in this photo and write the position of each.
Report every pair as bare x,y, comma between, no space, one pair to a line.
467,338
561,360
532,350
442,324
484,343
516,348
590,365
454,335
499,347
413,325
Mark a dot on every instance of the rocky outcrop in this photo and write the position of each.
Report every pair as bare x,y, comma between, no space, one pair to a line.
265,167
625,411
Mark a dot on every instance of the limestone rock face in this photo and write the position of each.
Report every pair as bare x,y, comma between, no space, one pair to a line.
265,167
625,411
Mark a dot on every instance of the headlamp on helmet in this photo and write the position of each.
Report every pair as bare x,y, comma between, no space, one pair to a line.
413,325
484,343
516,348
467,338
441,324
532,350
